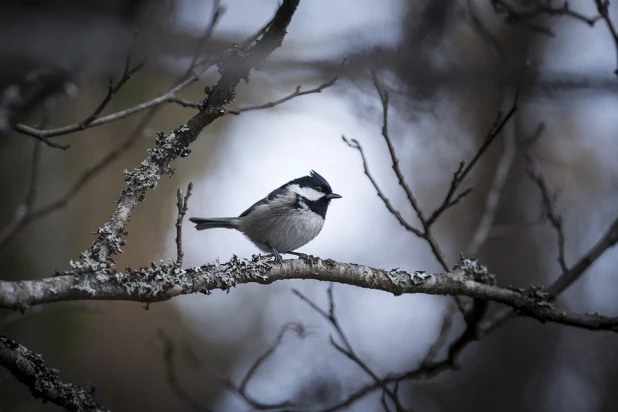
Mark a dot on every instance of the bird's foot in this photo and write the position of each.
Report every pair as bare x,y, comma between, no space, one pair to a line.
309,259
276,255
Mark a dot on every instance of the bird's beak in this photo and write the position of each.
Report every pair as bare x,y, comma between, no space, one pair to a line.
331,196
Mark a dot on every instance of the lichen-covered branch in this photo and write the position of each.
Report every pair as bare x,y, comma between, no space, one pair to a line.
162,282
30,369
235,66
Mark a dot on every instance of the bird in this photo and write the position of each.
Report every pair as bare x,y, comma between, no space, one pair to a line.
286,219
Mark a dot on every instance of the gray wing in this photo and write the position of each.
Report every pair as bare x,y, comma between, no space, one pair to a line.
272,195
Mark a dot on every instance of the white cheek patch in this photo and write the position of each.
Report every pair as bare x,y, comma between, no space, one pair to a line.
307,192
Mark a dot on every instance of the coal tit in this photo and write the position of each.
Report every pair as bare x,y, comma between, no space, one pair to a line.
288,218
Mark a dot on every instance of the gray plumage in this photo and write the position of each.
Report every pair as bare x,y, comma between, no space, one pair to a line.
285,220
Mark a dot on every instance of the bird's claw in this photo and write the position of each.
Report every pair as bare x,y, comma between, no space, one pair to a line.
276,255
309,259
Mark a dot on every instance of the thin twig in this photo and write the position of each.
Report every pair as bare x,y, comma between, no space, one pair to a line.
464,170
483,229
168,96
112,89
217,12
526,15
33,215
348,350
437,345
296,327
603,8
353,143
24,211
170,373
183,205
548,203
296,93
241,390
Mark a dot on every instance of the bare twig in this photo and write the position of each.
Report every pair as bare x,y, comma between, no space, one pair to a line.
112,89
348,350
464,170
552,216
168,96
437,345
296,93
296,327
241,390
30,369
353,143
603,8
183,205
527,15
217,12
493,197
24,210
170,373
32,216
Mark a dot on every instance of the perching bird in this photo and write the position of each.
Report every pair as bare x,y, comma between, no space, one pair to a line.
288,218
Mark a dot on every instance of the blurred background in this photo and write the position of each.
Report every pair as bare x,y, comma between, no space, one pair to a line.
450,66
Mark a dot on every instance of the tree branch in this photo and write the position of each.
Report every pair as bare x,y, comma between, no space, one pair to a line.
162,282
30,369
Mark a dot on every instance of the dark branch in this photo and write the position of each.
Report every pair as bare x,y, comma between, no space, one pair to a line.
43,382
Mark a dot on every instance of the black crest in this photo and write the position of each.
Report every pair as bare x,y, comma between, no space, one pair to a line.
314,181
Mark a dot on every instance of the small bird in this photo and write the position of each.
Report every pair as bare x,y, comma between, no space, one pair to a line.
288,218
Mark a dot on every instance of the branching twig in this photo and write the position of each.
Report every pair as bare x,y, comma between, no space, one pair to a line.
241,390
464,169
217,12
527,15
170,373
24,211
348,351
353,143
183,205
552,216
296,93
32,216
493,197
437,345
603,8
112,89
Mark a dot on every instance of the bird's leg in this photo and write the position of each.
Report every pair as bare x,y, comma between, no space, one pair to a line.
307,258
276,254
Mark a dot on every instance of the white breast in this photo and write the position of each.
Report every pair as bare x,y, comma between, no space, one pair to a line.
283,228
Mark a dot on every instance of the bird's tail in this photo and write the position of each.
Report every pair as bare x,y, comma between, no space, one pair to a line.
215,222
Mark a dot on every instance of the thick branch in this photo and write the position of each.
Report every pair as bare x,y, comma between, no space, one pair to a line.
159,283
30,369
